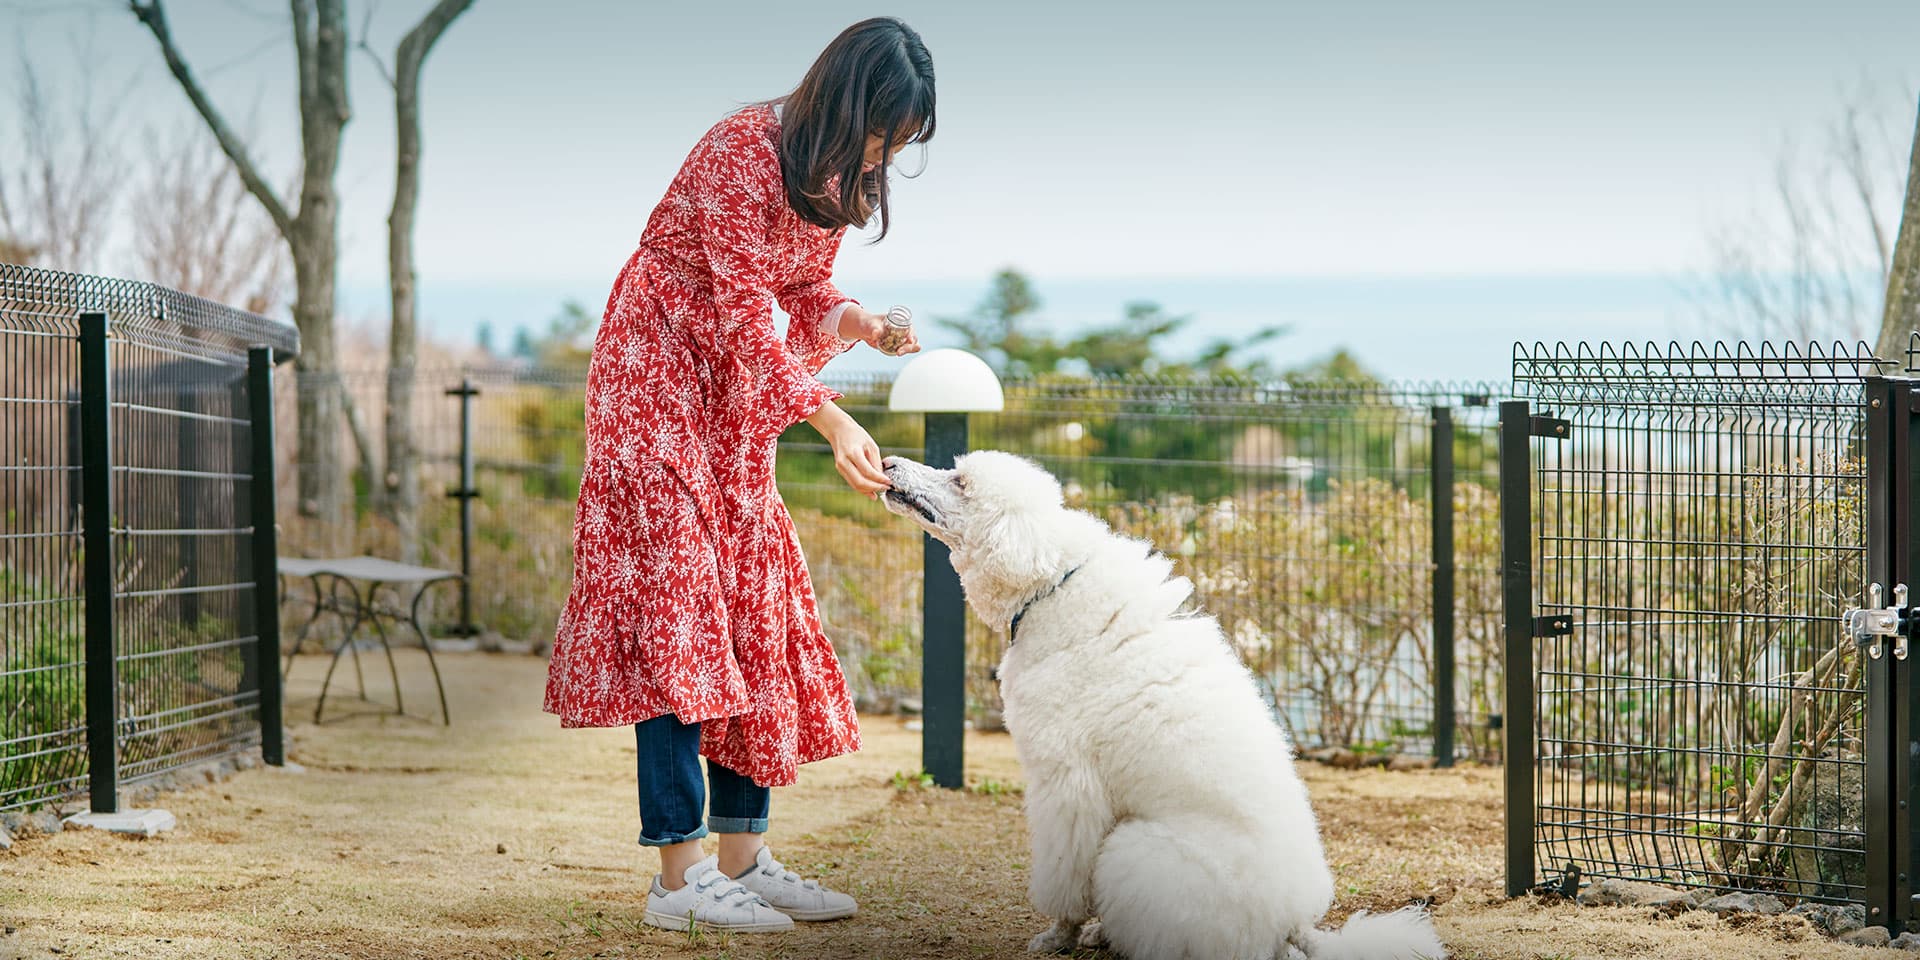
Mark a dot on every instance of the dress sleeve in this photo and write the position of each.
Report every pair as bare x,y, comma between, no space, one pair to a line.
735,203
810,303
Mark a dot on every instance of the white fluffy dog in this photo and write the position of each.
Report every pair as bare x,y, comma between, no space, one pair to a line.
1160,792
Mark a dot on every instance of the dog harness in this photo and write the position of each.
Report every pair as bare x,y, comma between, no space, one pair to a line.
1013,629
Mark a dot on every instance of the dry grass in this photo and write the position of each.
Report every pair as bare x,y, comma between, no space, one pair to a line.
387,847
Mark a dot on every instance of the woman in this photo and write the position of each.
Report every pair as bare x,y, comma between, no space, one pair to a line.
692,615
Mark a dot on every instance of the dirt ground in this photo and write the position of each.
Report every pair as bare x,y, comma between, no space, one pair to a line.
506,837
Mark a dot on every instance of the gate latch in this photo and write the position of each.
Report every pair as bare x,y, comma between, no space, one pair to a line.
1868,627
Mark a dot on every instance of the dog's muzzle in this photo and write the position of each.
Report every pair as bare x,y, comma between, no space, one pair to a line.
914,503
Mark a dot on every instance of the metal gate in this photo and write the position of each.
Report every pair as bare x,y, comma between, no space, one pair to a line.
1682,530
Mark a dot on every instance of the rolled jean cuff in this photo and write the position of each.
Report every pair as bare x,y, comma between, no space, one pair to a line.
737,824
673,838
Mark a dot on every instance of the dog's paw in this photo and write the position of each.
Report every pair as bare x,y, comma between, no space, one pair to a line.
1092,937
1062,937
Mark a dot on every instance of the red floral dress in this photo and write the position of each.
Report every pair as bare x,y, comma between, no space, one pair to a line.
690,594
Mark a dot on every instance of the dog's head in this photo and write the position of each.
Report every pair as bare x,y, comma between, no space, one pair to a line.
999,514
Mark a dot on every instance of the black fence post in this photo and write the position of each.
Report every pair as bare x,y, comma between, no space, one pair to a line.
465,493
1516,582
943,672
1904,732
96,533
266,555
1883,482
1440,462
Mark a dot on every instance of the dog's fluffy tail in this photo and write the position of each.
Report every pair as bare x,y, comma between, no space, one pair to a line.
1401,935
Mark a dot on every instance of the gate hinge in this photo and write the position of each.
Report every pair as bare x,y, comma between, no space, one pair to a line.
1558,625
1556,428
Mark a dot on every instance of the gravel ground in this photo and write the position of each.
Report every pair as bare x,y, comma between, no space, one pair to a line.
506,837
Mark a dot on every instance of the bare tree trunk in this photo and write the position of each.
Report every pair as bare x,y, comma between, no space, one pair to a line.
402,472
1902,314
320,44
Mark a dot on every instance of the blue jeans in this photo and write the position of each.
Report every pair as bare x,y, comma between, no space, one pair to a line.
672,792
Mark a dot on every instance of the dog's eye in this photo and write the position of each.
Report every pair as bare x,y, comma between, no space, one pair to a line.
960,484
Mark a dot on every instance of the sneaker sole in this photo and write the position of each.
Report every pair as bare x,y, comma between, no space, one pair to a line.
818,916
667,921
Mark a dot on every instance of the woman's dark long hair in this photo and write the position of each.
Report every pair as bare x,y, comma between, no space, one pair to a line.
875,78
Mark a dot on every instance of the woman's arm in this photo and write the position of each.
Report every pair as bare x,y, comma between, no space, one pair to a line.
817,313
825,322
736,207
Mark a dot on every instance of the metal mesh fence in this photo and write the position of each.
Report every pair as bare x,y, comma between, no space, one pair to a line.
528,442
43,724
1699,530
183,575
180,583
1303,513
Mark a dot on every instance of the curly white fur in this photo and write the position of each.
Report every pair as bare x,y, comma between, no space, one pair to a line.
1161,794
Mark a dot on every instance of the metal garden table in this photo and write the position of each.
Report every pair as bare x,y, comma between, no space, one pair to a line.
344,597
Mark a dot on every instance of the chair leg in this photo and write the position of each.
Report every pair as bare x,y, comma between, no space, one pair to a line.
413,620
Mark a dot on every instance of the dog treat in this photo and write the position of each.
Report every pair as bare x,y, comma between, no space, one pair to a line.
899,327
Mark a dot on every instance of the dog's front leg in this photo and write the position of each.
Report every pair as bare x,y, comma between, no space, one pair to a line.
1069,815
1062,937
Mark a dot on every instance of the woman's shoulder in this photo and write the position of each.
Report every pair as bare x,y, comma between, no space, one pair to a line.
754,126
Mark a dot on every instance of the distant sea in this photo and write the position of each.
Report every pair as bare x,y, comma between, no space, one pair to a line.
1400,327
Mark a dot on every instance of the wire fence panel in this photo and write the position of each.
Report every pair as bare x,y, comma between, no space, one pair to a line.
183,577
181,589
1700,528
1302,513
42,654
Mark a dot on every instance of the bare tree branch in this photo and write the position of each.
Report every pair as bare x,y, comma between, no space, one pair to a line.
366,30
56,204
1810,260
195,229
153,13
1858,167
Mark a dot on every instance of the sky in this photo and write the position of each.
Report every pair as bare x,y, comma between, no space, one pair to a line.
1391,175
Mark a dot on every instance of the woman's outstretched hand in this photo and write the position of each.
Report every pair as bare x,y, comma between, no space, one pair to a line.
859,323
855,454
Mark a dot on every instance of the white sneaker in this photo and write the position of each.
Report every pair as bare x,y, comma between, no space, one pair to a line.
797,898
714,902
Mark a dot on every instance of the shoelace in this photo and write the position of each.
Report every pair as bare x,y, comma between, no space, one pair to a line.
776,870
723,887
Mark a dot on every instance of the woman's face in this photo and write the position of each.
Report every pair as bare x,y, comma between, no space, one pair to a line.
877,152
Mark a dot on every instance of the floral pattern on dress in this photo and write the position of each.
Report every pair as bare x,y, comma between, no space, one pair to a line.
690,591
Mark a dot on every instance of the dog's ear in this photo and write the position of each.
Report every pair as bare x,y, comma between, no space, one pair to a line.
1018,542
1014,512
